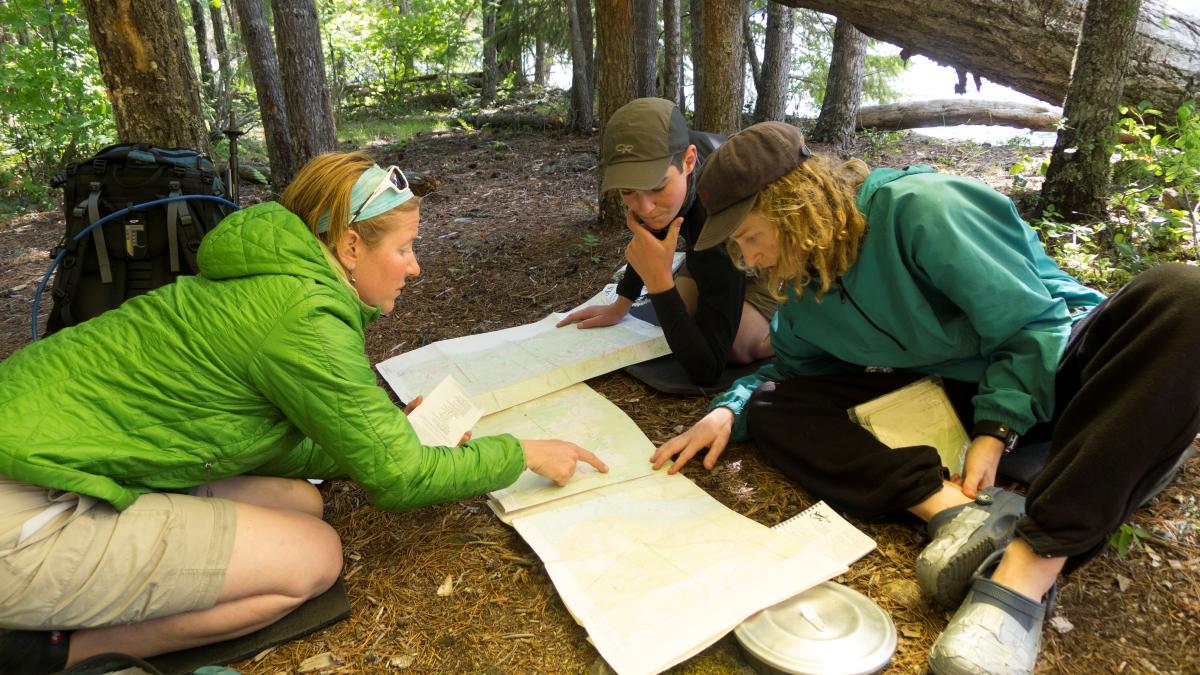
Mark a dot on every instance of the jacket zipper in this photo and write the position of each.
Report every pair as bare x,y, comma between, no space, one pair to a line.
208,477
846,296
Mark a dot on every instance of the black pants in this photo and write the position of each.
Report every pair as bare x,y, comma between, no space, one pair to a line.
1127,406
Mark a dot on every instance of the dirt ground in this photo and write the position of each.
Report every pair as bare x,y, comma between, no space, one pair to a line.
508,236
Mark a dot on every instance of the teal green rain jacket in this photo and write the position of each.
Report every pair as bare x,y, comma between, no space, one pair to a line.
256,366
949,281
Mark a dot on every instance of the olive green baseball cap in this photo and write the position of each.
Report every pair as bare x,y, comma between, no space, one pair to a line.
741,167
638,143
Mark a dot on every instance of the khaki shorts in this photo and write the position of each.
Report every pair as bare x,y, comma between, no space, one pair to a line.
757,295
90,565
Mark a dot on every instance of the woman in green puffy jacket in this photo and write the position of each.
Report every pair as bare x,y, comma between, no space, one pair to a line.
893,275
152,460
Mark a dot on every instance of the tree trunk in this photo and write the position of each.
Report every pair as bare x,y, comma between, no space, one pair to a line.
722,103
147,71
951,111
202,48
225,86
1077,179
587,30
580,118
843,88
616,82
1029,46
264,68
697,57
751,53
777,64
645,46
488,35
672,53
539,61
302,67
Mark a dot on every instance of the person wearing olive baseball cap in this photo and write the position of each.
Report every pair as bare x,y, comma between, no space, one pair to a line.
890,276
710,315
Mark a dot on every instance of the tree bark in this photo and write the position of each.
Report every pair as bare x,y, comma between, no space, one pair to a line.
147,71
777,64
1029,46
616,82
302,67
951,111
264,68
697,58
488,35
539,61
224,102
202,48
722,103
751,53
587,30
843,88
672,76
580,118
1077,179
645,46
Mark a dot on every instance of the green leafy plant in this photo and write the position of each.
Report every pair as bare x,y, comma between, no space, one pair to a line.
1126,538
588,247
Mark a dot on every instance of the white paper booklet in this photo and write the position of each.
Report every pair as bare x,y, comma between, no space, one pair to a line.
833,535
918,414
506,367
632,558
444,415
580,415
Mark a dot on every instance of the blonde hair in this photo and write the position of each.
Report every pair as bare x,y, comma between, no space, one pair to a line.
818,226
323,187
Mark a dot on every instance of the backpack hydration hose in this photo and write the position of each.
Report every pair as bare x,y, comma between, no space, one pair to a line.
37,298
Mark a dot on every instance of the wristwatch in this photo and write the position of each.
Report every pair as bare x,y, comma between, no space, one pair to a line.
998,430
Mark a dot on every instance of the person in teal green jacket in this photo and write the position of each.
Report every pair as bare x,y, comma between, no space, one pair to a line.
152,460
888,276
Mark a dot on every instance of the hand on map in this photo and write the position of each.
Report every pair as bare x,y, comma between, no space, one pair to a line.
979,469
412,405
711,432
650,257
556,460
596,316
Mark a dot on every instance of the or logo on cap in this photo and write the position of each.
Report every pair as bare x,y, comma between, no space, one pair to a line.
624,147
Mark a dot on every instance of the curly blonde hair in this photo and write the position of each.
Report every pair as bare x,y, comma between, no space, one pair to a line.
818,226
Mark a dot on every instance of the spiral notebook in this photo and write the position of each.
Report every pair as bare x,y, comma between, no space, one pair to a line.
834,535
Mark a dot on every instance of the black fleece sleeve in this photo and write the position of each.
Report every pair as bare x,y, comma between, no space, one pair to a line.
702,342
630,285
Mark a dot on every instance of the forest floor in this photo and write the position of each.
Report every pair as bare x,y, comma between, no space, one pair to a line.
509,236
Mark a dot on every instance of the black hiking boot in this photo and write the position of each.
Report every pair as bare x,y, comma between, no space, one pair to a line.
27,652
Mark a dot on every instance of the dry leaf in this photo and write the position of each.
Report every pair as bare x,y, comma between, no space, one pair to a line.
319,662
403,661
1123,582
1060,624
447,587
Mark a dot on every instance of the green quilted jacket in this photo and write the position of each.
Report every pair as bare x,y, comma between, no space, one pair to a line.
256,366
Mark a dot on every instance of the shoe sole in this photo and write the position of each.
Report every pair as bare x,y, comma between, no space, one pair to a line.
950,582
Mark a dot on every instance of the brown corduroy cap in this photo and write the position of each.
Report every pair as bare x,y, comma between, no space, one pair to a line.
639,141
739,169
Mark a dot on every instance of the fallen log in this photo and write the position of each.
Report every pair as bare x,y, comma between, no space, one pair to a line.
949,112
1029,46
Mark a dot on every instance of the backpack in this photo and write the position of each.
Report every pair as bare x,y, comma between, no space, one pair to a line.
142,249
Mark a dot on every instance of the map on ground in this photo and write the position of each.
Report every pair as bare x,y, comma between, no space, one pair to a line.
507,367
656,570
580,415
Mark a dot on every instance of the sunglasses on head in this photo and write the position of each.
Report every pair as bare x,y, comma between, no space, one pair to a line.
393,179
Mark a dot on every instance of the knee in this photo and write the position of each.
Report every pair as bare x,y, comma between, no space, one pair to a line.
1173,287
322,560
307,498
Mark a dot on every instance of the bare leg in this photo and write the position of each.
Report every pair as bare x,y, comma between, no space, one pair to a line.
293,494
753,339
1026,572
950,495
281,557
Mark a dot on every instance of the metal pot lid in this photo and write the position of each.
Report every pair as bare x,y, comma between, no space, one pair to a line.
829,629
